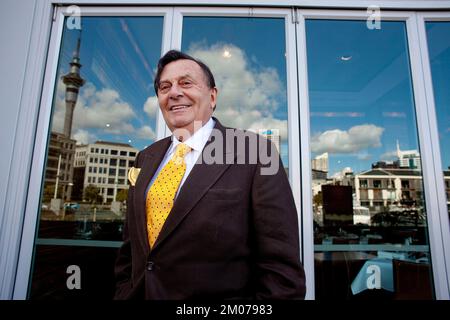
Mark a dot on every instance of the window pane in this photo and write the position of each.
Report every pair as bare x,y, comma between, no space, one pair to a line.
370,228
438,36
104,100
251,80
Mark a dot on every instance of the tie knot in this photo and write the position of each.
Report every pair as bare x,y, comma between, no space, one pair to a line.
181,150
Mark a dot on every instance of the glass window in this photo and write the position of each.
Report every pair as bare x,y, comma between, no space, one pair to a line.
104,91
438,37
363,122
377,184
251,80
405,184
123,153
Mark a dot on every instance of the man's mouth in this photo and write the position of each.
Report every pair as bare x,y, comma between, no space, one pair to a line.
179,107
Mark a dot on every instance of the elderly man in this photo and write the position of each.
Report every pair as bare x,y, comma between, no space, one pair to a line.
204,220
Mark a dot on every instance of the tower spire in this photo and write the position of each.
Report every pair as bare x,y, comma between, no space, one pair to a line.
73,82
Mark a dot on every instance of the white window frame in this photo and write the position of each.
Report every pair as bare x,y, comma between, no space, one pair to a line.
23,272
387,4
441,196
435,232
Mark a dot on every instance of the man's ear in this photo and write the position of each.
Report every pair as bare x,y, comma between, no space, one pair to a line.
213,98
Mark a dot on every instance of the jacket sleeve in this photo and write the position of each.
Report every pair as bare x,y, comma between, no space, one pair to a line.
123,265
279,271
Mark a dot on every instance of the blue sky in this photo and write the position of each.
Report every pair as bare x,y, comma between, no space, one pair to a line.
119,56
438,34
360,84
361,101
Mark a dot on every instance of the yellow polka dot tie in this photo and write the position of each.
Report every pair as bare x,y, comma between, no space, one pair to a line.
161,196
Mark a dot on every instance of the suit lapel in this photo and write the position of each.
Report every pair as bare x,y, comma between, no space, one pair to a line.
149,165
200,180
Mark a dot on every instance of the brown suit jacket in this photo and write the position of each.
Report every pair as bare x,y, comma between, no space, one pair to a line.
232,234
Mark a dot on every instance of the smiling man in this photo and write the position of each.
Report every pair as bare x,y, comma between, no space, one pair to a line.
223,230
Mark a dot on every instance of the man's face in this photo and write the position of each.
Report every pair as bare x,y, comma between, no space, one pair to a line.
184,96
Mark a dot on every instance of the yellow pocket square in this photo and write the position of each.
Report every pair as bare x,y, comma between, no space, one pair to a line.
133,174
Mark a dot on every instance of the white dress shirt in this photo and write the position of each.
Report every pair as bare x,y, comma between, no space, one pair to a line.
197,142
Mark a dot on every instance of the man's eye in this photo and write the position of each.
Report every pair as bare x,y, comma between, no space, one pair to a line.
186,83
164,86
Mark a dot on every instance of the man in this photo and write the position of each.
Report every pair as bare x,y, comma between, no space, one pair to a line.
202,229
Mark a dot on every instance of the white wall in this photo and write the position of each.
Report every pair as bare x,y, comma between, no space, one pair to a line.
24,31
15,30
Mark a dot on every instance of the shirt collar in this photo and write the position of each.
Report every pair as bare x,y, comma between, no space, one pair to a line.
198,140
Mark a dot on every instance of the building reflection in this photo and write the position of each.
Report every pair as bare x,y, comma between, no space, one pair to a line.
372,218
85,186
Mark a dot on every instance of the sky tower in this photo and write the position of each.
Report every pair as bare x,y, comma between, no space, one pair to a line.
73,82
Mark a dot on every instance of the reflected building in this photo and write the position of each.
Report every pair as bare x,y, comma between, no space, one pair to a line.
380,188
319,172
104,164
59,168
408,158
60,159
320,163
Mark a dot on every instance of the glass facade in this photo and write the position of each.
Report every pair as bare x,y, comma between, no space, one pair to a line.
438,36
251,80
94,138
370,222
372,232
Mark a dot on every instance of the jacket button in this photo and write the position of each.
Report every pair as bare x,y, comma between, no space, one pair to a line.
150,265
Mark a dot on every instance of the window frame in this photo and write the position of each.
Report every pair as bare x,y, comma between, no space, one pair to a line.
23,272
440,191
436,234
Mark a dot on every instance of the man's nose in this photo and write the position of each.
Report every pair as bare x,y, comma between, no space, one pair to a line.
175,91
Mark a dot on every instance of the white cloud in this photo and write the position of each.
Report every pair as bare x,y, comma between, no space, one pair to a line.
390,155
364,156
95,109
146,132
394,114
354,140
247,97
337,114
84,137
151,106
